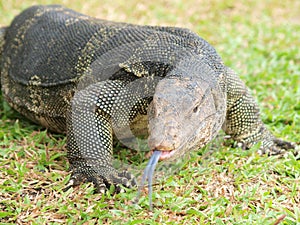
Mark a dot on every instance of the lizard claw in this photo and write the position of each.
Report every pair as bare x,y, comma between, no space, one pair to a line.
102,178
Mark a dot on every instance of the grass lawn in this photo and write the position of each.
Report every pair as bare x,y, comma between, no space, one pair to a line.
217,185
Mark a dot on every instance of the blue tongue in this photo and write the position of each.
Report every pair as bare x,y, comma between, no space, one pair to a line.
148,173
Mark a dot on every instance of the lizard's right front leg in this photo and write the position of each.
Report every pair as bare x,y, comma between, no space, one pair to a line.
90,138
243,122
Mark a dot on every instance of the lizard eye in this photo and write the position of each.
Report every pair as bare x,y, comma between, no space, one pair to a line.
196,109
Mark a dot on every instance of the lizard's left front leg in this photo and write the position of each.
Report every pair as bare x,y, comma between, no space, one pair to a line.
90,138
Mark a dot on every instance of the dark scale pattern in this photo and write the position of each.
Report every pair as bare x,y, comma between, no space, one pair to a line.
89,77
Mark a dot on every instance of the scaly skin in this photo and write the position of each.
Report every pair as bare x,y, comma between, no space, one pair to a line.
2,33
91,78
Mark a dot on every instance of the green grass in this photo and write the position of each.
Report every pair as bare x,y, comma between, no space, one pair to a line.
218,184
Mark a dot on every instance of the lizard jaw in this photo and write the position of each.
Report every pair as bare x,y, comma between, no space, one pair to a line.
164,154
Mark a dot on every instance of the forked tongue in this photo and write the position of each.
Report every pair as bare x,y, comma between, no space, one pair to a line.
148,174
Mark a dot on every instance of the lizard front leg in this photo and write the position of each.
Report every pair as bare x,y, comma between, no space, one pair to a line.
90,137
243,122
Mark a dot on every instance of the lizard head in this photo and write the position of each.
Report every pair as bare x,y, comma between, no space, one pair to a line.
185,114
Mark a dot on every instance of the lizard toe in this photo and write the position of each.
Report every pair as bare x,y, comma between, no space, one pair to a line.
275,147
123,178
129,178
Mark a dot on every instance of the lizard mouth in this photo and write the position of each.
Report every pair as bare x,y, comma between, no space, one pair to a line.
164,155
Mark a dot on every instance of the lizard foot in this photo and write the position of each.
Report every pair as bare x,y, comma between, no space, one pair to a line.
269,146
102,178
275,147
